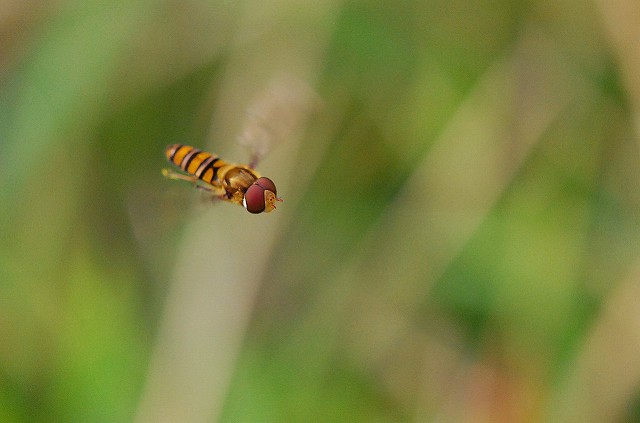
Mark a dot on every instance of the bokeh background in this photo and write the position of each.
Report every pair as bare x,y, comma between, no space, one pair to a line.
459,239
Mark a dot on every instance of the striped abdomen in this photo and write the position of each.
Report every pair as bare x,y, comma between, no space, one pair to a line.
195,162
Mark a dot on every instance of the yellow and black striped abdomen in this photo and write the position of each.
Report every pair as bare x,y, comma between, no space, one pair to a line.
195,162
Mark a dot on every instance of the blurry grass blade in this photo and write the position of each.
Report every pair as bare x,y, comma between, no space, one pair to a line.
64,82
440,208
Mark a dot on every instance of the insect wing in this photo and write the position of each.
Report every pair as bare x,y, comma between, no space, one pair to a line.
274,115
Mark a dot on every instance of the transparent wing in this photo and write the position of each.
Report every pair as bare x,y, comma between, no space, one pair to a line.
273,115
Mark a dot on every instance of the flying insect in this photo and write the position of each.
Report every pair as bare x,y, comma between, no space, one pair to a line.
236,183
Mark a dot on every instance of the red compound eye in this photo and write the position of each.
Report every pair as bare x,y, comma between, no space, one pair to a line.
267,184
254,199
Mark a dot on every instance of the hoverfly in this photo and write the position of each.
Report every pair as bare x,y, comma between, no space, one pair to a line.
235,183
272,116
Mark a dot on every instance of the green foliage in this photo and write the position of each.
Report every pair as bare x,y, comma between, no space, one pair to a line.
460,214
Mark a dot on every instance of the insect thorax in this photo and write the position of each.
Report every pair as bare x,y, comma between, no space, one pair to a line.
236,179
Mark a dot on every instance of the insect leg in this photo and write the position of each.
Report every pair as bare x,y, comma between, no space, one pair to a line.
168,173
214,194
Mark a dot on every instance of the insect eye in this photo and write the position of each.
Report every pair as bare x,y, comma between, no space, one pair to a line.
266,184
254,198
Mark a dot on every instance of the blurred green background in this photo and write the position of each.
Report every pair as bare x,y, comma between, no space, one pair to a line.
459,239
